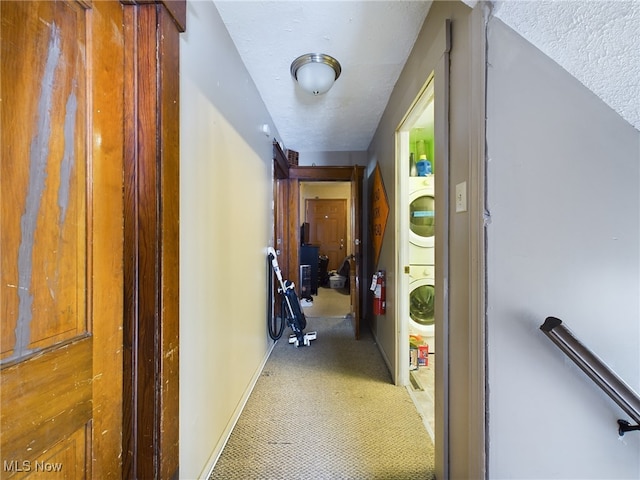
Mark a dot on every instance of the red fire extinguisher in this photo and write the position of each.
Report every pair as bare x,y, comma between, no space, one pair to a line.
379,295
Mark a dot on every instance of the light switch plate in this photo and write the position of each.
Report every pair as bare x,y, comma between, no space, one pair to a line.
461,197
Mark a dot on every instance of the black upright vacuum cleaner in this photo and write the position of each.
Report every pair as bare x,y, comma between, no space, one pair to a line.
291,309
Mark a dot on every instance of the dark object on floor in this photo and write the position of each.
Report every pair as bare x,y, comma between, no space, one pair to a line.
323,270
344,271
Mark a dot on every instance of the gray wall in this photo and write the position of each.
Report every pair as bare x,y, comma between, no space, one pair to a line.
564,240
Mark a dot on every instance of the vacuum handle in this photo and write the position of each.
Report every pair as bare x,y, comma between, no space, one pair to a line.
274,262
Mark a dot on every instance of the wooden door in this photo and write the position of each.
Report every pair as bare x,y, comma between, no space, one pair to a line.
61,239
328,228
355,259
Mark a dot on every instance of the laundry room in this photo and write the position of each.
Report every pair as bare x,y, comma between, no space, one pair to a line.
420,136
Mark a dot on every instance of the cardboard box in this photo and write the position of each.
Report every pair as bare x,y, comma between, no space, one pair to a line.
413,358
423,355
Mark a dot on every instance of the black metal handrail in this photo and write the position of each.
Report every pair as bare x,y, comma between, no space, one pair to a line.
597,370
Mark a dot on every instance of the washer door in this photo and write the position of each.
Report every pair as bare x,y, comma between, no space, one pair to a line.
422,220
422,306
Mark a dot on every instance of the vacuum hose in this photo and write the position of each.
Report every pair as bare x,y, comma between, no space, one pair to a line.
275,324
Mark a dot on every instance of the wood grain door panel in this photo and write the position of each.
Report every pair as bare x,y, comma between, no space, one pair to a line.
328,228
42,395
61,239
44,185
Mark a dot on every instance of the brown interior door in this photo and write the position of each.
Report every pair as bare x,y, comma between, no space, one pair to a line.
355,259
61,238
328,228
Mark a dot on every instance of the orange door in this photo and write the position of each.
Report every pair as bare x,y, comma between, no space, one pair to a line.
328,228
61,238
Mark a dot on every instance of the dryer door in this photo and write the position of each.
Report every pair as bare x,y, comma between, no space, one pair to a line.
422,298
422,305
422,218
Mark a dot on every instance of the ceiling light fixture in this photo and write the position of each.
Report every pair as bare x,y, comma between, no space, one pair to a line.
315,72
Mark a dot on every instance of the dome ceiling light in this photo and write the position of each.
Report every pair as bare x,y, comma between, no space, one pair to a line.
315,72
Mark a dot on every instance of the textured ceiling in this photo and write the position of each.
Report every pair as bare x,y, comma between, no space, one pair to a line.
370,39
597,41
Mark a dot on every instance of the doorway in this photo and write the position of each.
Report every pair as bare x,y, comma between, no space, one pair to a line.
324,209
425,224
348,178
417,167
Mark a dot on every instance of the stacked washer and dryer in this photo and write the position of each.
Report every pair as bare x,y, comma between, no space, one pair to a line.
422,259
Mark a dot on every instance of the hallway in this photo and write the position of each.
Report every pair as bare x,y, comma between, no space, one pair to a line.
328,411
497,260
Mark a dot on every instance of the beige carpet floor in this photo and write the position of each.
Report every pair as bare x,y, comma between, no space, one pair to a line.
329,302
328,411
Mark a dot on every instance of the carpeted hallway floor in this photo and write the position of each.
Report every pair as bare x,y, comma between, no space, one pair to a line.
328,411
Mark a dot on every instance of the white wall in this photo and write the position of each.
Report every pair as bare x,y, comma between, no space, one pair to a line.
564,240
225,227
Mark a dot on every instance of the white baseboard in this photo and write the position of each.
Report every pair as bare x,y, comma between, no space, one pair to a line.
384,357
217,451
